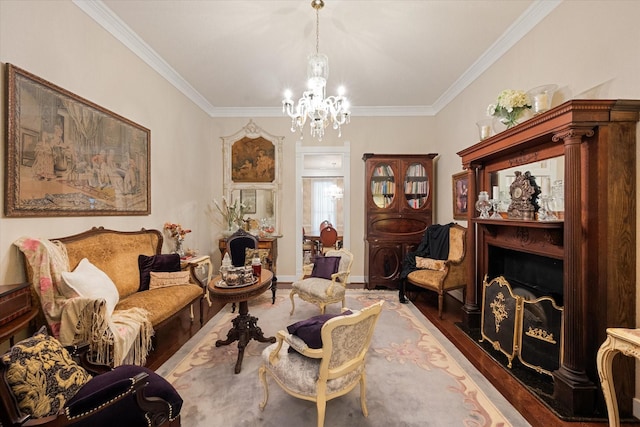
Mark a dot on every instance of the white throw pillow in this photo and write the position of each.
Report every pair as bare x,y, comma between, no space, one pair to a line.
90,282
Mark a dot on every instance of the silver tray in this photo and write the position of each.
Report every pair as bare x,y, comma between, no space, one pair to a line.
222,284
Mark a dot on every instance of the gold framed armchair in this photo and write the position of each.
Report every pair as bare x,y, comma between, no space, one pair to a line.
443,275
328,280
319,375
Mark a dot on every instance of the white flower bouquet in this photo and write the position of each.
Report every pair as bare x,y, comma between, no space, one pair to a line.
510,106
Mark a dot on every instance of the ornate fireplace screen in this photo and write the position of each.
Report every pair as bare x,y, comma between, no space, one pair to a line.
530,329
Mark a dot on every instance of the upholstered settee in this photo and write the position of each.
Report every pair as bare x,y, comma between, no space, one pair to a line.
154,321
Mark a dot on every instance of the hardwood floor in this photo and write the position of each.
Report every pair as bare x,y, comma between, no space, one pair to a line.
531,408
535,412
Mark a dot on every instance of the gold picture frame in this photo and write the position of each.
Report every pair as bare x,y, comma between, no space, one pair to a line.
460,186
67,156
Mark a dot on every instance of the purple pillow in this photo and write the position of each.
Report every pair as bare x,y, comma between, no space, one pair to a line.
309,330
164,263
325,266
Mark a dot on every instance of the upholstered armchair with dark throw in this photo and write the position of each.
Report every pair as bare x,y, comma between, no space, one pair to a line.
328,280
441,265
43,383
324,358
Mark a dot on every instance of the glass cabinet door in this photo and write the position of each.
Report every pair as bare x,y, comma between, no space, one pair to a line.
383,185
416,186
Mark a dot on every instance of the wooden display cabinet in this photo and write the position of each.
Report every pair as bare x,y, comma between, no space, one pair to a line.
593,249
398,209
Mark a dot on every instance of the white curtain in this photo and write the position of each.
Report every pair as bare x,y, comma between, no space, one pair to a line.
323,205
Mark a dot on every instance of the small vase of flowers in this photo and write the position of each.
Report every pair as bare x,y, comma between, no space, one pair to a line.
232,215
510,106
177,233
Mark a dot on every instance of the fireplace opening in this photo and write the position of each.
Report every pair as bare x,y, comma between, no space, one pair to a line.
539,275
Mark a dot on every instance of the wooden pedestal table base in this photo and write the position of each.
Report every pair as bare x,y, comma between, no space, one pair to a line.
245,327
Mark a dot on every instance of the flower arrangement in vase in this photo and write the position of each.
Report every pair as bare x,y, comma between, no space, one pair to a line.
177,233
510,106
232,214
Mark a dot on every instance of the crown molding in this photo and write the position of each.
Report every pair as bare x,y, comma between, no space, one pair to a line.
535,13
99,12
105,17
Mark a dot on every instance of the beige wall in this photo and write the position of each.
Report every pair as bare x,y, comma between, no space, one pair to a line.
55,40
589,48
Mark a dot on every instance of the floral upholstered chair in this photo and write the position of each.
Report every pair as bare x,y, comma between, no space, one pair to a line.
332,369
328,280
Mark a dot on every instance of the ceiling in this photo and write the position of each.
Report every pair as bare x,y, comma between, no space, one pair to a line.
395,57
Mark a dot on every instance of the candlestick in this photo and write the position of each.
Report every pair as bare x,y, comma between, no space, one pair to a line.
541,98
484,128
540,102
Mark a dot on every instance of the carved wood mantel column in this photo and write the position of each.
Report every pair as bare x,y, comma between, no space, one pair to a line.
573,387
471,308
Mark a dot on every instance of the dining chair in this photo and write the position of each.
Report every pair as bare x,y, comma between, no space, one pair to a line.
328,238
237,245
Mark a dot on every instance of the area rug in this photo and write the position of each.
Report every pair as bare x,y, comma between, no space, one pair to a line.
415,376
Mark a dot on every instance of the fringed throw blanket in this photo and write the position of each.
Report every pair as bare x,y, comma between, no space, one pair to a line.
122,338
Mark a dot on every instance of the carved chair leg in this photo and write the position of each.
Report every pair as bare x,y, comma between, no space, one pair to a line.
293,304
262,373
402,291
363,395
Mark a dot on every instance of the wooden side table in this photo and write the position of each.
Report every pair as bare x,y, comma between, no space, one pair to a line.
197,264
619,340
245,327
10,329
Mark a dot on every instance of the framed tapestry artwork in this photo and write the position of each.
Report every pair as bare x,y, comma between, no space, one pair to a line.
253,160
67,156
460,185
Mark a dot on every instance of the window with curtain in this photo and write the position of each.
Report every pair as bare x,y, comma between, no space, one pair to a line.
322,201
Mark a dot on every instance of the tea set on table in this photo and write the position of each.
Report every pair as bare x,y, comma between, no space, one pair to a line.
237,277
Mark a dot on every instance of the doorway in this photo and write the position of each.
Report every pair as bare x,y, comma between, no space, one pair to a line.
322,192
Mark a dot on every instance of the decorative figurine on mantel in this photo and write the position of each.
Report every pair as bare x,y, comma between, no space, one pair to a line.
524,192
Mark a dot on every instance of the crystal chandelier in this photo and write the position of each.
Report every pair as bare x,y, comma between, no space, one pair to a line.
313,104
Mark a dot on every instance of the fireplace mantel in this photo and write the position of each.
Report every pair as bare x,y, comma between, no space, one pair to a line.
596,242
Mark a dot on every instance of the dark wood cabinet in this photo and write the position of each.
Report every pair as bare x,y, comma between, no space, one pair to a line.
593,249
398,209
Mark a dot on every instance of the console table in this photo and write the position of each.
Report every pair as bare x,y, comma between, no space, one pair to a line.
270,243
